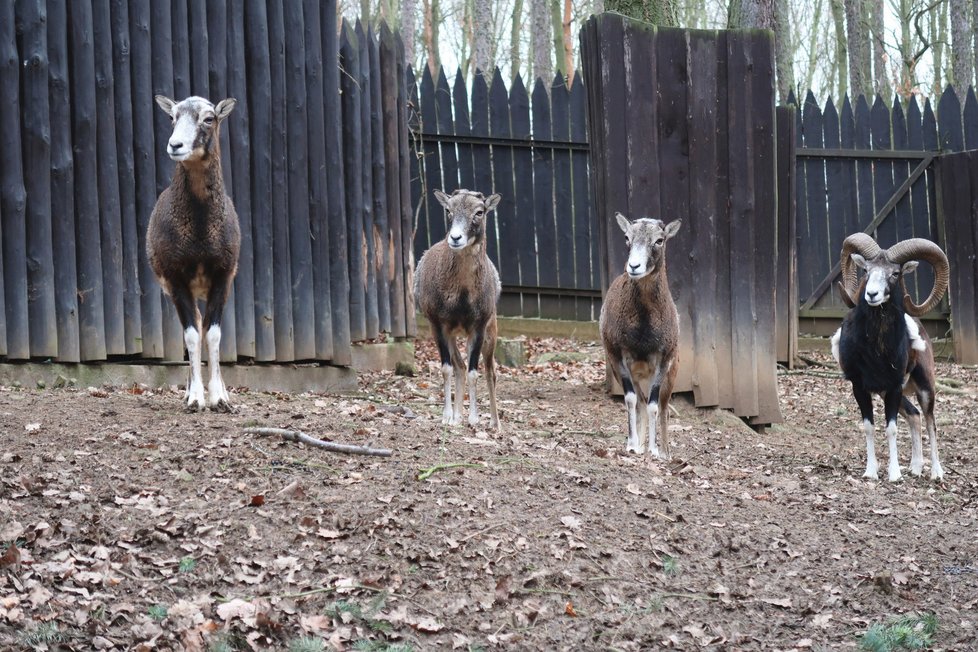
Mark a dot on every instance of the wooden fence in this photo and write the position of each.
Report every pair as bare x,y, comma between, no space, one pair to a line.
683,126
316,162
532,149
959,194
873,169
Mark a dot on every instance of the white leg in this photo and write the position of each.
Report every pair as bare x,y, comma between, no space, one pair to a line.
459,375
634,443
891,440
473,407
916,450
218,397
652,414
872,468
936,470
195,390
447,414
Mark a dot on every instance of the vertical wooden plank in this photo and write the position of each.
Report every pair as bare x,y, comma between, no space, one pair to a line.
930,140
786,294
258,66
393,238
887,232
761,109
837,193
741,224
724,218
587,256
462,127
968,280
818,255
144,162
200,35
434,214
297,136
416,163
919,208
543,203
339,275
238,157
970,116
352,166
864,167
506,225
364,39
444,126
524,246
91,315
672,77
566,220
62,190
125,155
483,162
110,222
949,121
281,251
318,208
956,195
902,212
644,70
847,140
407,214
35,122
380,236
701,226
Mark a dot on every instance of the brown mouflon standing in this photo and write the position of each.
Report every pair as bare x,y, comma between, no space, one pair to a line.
883,348
456,288
640,331
193,238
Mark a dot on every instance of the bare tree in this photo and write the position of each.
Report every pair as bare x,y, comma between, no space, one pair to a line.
784,48
515,60
860,76
432,18
974,28
557,25
750,14
481,36
540,44
657,12
408,24
568,43
962,51
938,37
841,47
598,6
881,83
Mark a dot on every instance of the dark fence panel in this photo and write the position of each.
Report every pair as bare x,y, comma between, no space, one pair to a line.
959,194
76,199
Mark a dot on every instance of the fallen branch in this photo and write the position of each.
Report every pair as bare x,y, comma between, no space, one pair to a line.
301,437
424,474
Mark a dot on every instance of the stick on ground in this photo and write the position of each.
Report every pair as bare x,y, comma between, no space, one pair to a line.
297,436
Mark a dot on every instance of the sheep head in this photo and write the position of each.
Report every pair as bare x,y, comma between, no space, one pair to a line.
196,126
466,211
885,267
646,239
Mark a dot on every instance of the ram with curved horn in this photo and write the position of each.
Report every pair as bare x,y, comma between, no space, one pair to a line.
882,346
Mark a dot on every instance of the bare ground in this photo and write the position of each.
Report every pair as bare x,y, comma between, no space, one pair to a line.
138,526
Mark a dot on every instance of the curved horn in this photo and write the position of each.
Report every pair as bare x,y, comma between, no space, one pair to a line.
864,245
921,249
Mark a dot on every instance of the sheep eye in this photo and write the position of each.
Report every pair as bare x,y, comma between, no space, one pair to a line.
209,120
658,243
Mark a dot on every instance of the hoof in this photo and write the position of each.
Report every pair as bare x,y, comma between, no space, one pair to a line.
895,476
937,473
195,406
916,469
640,450
222,405
871,475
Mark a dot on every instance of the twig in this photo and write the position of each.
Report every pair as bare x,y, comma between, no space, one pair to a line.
808,372
301,437
689,596
424,474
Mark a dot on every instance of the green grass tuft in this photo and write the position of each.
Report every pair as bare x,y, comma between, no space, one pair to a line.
41,636
307,644
187,564
909,632
158,612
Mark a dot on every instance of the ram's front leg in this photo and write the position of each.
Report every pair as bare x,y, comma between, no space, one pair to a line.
634,443
891,409
865,401
445,354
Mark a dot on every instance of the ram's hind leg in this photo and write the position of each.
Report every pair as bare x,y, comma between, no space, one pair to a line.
912,415
926,399
218,397
659,395
489,360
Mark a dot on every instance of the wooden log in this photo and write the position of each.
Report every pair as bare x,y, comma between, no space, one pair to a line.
301,437
407,217
62,189
336,194
258,66
524,246
43,335
281,261
239,166
297,134
91,315
392,190
125,156
352,168
543,202
382,257
366,241
144,162
318,209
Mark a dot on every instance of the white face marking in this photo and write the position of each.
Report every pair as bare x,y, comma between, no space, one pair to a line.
638,262
457,239
190,115
877,287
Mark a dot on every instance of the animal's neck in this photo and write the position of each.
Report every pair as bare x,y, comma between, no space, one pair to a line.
202,177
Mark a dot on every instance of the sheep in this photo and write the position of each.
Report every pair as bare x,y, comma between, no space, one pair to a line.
882,347
639,328
193,238
456,288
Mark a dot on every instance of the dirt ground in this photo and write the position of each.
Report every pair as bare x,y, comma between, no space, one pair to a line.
127,523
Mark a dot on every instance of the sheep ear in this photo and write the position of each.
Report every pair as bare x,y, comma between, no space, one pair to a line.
224,108
442,198
859,260
672,228
910,267
166,104
623,222
493,201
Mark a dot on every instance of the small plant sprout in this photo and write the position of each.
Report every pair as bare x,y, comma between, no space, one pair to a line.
669,565
307,644
187,564
909,632
158,612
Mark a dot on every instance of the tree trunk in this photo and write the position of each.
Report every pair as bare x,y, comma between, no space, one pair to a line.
557,25
908,73
540,43
515,61
784,48
881,80
598,6
750,14
481,35
431,20
974,27
860,76
962,52
568,44
938,36
657,12
365,13
815,55
841,48
408,25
